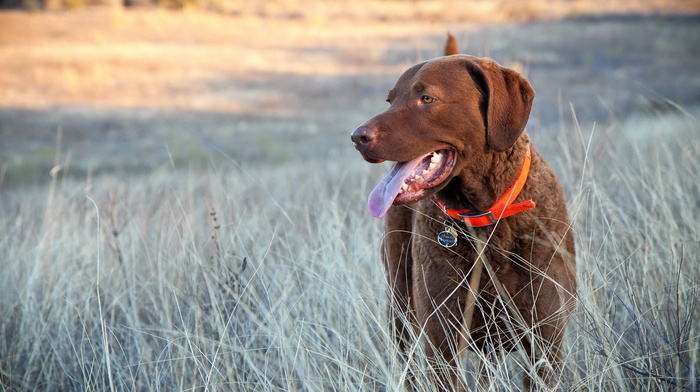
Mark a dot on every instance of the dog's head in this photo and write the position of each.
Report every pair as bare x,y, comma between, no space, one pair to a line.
443,114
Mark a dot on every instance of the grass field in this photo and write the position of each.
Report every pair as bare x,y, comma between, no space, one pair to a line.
206,229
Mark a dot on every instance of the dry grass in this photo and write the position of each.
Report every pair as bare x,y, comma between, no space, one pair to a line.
260,279
128,267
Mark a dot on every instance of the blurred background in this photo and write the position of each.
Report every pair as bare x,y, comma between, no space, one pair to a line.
132,86
181,207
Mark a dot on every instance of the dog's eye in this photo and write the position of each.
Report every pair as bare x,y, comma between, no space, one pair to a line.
427,99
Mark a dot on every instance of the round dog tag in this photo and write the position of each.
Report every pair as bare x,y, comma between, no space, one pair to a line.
448,237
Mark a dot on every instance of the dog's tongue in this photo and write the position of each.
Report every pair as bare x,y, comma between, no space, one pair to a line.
383,195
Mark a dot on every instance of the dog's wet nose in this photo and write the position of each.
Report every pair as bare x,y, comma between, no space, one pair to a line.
364,137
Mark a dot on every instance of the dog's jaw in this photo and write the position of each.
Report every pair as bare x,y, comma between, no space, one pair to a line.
408,181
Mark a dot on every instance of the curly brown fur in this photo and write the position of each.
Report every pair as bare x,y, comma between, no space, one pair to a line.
477,110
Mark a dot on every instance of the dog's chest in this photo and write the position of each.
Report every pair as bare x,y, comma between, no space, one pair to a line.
439,239
442,246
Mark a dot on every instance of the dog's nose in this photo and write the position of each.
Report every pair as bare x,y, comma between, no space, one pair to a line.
364,137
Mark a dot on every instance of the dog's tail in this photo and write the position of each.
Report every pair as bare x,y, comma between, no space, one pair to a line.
451,45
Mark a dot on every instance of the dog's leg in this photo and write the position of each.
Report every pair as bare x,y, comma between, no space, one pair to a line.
544,352
439,313
547,371
444,371
397,260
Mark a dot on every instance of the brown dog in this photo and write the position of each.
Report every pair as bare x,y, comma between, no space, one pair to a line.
468,189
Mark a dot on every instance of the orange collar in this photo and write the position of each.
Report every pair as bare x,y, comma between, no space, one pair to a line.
502,208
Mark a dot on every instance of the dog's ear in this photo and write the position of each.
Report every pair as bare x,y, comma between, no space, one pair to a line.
451,45
506,101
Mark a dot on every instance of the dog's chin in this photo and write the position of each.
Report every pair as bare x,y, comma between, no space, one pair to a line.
409,197
373,160
369,158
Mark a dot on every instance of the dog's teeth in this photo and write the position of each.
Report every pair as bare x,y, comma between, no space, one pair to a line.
436,157
426,171
432,166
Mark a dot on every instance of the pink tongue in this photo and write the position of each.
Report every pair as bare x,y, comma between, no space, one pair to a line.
383,195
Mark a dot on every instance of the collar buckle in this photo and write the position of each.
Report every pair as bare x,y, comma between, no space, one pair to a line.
467,216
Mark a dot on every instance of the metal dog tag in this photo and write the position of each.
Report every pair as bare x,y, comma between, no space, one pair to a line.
448,237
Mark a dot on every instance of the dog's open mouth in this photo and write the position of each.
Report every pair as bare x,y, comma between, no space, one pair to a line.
408,181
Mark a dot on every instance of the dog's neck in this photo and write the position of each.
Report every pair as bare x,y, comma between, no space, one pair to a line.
478,186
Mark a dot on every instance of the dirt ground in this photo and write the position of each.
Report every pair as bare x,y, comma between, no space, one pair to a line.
136,90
